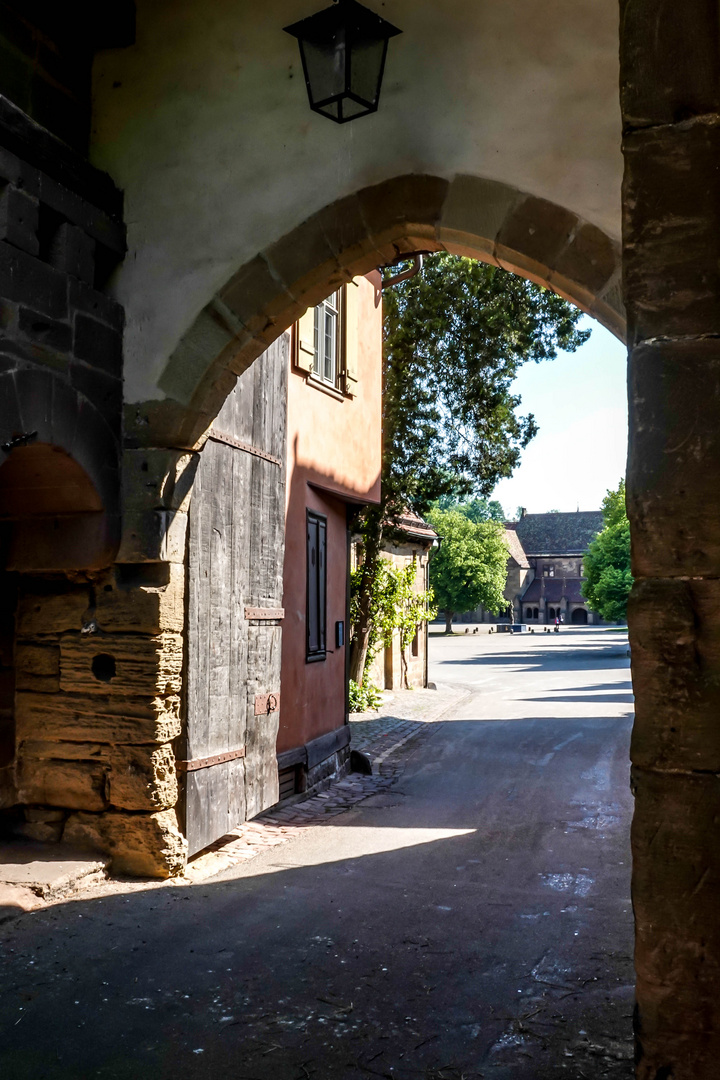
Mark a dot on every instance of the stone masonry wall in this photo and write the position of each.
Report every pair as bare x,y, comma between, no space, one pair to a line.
96,666
98,674
671,112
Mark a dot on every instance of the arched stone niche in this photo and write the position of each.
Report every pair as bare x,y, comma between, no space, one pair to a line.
59,487
468,215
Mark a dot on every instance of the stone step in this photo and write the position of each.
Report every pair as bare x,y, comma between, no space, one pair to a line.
32,874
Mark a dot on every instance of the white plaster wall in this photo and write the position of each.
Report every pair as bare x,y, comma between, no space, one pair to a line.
204,123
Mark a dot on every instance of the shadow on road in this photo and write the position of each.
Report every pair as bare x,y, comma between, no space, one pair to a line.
377,964
484,934
546,659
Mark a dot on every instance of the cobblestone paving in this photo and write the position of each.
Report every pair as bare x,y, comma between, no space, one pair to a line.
415,715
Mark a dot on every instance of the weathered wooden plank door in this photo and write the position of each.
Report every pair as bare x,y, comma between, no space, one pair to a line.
236,541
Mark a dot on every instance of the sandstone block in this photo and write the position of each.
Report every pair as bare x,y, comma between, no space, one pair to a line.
142,608
609,308
158,478
19,219
125,664
37,667
77,785
345,229
672,1054
676,879
147,845
674,457
52,614
153,536
215,330
142,778
41,832
45,815
670,65
475,210
8,793
73,252
412,199
136,777
88,717
165,423
66,751
675,637
254,295
671,231
533,235
302,259
589,261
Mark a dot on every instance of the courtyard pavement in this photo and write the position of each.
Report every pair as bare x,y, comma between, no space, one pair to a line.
468,917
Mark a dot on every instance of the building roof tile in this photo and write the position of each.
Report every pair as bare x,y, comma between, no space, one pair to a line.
558,534
515,548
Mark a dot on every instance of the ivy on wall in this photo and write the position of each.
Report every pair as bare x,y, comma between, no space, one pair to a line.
395,605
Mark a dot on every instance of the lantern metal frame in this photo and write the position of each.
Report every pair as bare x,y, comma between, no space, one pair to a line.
358,23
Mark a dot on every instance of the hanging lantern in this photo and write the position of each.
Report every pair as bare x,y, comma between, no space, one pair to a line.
343,50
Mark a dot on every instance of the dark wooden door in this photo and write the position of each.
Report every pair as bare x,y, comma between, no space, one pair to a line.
236,540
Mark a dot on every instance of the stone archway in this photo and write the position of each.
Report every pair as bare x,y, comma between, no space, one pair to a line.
467,215
479,218
579,617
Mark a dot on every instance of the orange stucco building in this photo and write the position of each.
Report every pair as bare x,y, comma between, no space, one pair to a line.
333,466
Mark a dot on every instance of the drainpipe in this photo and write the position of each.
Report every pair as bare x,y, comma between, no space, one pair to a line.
405,275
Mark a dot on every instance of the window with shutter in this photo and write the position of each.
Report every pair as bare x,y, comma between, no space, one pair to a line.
327,340
316,586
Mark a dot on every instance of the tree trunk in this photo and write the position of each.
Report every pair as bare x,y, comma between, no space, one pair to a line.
361,631
404,664
449,616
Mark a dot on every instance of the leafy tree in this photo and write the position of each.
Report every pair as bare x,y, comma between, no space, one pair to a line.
613,506
396,605
471,566
607,561
477,509
455,337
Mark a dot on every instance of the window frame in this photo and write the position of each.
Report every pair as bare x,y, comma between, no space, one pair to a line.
335,304
314,654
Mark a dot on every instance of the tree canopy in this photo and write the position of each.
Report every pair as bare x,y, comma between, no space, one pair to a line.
455,337
471,566
607,561
477,509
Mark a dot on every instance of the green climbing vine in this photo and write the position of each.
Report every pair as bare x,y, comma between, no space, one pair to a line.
394,605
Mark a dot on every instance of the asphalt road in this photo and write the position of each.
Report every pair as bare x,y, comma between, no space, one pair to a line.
472,921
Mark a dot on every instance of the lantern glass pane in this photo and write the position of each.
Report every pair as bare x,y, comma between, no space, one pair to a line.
331,110
352,108
366,66
325,65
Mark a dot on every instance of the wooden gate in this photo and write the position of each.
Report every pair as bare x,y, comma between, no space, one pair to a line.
236,540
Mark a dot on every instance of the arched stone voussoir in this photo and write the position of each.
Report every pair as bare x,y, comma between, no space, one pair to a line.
469,215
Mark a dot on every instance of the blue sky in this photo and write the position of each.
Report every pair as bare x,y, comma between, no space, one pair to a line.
580,404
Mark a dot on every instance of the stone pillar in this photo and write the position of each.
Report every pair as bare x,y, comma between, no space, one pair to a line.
670,86
97,710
